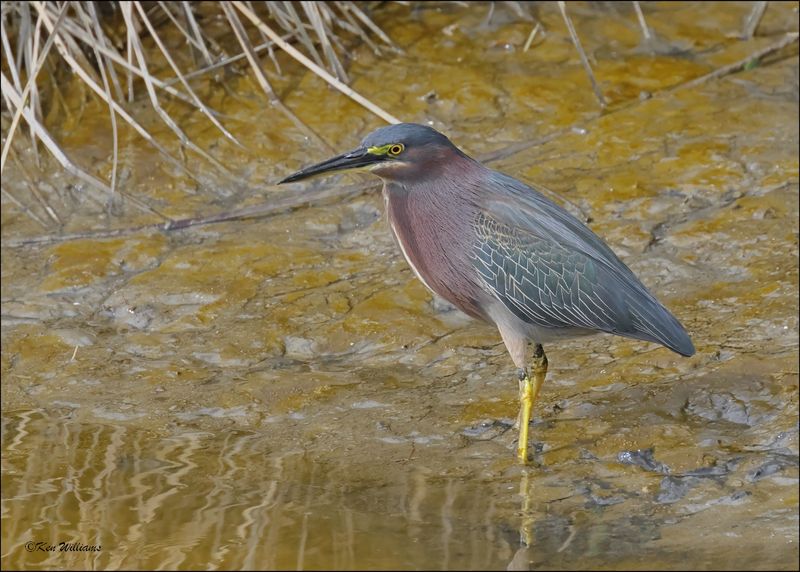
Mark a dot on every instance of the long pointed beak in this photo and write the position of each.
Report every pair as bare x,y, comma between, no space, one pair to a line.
355,159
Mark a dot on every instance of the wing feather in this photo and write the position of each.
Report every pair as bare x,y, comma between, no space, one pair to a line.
551,270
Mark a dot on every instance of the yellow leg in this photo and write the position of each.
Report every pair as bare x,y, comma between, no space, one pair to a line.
525,404
529,391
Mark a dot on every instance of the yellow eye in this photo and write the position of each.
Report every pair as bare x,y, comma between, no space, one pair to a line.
396,149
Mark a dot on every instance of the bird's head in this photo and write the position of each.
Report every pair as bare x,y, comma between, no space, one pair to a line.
403,152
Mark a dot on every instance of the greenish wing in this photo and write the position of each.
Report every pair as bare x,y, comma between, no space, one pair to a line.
547,283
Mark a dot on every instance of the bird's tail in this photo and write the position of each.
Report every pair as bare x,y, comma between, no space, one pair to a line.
653,322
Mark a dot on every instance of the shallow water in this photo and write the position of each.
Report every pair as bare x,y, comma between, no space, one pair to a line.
283,393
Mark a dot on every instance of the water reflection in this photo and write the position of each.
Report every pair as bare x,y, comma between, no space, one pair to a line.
227,501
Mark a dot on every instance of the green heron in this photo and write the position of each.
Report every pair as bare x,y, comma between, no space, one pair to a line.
501,252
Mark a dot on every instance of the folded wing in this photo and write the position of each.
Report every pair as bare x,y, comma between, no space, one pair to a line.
550,270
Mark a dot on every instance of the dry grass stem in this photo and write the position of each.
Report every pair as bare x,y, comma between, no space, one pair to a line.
89,81
197,44
743,63
584,60
200,105
94,184
289,49
753,20
322,33
127,13
532,36
346,7
77,29
241,35
249,52
230,60
55,150
104,64
642,22
35,69
107,51
285,203
25,210
32,187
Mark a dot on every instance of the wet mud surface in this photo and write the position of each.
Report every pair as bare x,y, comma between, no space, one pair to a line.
281,392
